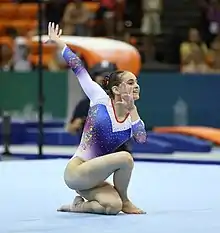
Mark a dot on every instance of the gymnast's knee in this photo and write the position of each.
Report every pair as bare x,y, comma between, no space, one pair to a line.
113,208
126,158
71,180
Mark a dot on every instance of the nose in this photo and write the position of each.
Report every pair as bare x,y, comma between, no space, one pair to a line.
136,86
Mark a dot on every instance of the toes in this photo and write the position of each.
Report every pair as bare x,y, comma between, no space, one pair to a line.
142,212
78,200
64,208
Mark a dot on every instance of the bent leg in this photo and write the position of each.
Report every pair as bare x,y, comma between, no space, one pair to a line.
93,173
101,200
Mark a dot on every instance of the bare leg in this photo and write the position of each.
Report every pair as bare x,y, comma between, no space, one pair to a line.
94,172
101,200
80,206
122,186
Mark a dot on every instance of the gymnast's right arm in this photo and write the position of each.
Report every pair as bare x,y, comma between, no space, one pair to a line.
91,88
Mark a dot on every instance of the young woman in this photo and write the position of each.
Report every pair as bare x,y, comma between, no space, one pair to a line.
112,120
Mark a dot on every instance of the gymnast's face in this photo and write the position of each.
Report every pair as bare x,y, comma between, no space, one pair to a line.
131,80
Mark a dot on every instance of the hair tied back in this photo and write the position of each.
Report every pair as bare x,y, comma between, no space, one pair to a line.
107,77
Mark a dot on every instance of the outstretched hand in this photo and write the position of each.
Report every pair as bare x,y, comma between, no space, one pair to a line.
54,31
127,100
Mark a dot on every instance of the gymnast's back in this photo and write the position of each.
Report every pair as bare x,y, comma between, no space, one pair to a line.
102,133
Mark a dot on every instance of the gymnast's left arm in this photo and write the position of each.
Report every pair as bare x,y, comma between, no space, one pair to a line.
138,127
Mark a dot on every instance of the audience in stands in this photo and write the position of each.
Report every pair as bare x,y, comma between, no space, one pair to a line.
75,19
214,56
20,58
6,55
192,44
213,15
151,18
106,14
196,61
136,22
209,19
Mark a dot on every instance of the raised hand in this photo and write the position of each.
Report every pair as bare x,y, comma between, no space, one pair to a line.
126,96
54,32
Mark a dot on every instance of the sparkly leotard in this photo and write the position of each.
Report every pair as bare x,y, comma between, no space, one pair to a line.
102,133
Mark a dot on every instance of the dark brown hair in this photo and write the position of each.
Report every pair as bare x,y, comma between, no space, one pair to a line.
113,79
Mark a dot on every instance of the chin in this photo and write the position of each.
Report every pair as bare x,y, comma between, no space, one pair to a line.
136,96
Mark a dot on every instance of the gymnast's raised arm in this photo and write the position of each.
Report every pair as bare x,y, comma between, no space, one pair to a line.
91,88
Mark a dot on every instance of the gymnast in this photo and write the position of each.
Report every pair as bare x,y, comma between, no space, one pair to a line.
112,119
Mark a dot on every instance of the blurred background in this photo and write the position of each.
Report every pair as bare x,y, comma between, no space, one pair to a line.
172,46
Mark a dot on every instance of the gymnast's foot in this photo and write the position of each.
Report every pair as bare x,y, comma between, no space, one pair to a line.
129,208
74,207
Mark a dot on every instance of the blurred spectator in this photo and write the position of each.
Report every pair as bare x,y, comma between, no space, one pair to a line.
197,62
106,13
187,48
214,16
75,19
151,18
15,57
19,60
21,52
214,56
6,55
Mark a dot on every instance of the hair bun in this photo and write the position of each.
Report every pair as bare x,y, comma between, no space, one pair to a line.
107,76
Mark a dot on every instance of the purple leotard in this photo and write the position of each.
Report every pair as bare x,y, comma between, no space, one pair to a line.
102,133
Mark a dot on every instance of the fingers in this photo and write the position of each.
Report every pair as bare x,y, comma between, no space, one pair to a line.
60,32
54,29
119,103
49,29
53,26
123,88
57,29
130,90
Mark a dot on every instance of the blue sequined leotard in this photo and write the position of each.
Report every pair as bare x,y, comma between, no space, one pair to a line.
102,133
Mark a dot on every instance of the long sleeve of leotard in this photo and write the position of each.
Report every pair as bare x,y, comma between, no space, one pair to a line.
93,90
138,131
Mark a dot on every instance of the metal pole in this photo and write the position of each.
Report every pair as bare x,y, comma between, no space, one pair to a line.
6,133
40,82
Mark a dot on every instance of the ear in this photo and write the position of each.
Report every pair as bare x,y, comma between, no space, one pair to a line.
115,90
